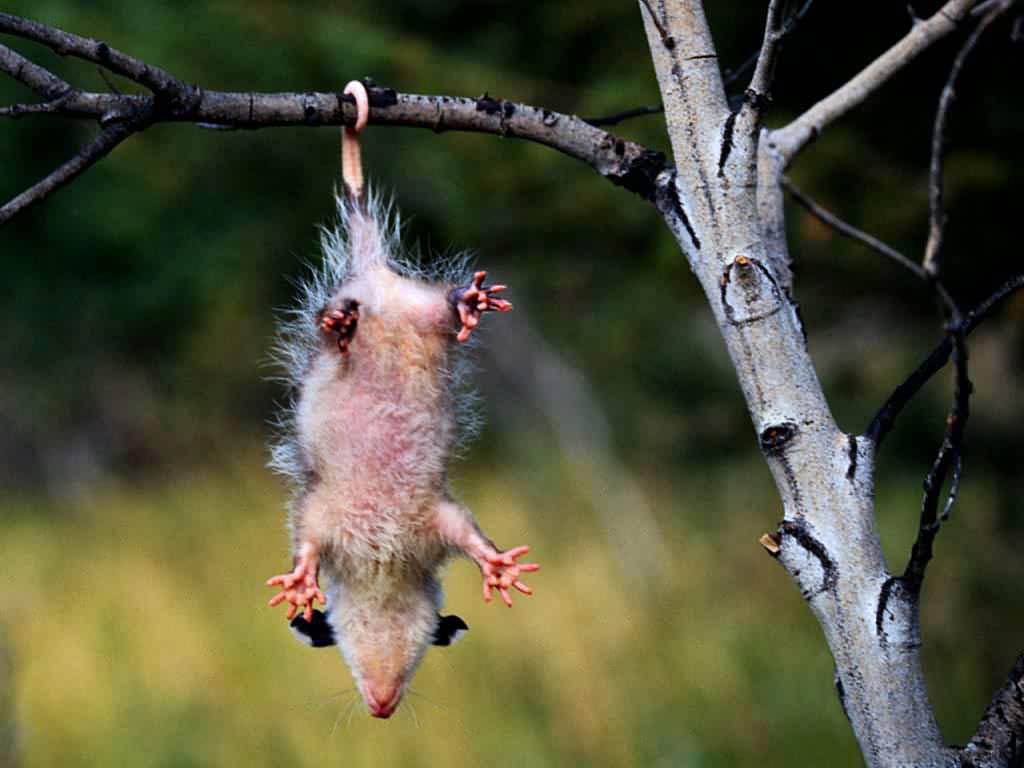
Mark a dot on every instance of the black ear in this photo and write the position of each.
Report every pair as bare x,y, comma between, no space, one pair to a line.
316,633
449,630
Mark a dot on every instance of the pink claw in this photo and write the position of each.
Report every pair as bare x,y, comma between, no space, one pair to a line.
474,299
501,571
300,588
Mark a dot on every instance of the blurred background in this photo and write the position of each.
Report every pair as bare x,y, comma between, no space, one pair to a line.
137,520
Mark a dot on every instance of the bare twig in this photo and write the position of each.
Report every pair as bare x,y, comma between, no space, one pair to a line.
791,139
732,75
830,219
618,117
40,80
950,457
937,217
68,44
936,360
98,148
764,72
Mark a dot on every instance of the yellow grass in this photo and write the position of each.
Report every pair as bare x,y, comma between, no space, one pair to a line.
139,635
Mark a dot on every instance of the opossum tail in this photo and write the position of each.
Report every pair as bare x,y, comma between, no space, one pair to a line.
366,247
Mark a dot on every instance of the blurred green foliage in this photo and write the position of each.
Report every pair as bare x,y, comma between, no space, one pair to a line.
137,308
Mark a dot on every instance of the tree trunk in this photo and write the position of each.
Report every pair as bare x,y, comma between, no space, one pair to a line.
723,204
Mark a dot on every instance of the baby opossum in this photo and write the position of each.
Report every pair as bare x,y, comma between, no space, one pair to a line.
371,356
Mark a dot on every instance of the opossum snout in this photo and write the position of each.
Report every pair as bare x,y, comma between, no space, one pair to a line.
382,697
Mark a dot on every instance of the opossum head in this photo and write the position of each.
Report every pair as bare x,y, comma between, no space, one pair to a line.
382,645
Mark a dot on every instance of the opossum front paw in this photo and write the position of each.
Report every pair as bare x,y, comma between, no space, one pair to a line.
300,588
474,299
342,323
501,571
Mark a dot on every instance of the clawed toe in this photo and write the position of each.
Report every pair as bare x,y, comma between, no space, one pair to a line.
472,300
501,572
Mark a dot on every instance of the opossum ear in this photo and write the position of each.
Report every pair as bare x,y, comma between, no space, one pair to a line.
449,630
316,633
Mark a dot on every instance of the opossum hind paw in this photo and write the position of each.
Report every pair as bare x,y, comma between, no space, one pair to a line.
299,588
475,298
501,572
341,323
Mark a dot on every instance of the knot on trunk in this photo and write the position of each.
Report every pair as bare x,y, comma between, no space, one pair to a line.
749,292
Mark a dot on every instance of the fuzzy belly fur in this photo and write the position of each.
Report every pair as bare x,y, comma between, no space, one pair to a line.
377,438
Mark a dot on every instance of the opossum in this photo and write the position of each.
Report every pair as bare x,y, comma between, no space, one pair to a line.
371,356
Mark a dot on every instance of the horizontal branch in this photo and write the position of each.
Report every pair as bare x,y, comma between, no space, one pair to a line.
622,162
792,138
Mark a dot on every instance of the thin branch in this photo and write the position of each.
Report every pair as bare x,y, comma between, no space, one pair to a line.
41,108
788,141
950,457
935,362
830,219
69,44
937,213
731,76
39,79
764,72
999,740
618,117
97,149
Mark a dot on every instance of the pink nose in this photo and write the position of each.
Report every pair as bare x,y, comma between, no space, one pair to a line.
382,699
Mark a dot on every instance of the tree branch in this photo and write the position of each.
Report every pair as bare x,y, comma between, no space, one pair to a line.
935,362
67,44
40,80
627,114
937,214
950,456
999,740
850,231
90,154
764,71
731,76
624,163
792,138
